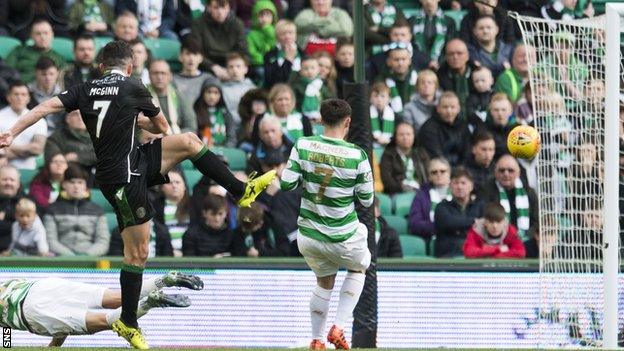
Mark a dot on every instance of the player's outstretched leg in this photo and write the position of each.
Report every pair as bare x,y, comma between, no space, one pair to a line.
176,148
349,295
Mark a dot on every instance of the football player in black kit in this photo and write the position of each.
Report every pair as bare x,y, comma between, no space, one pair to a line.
112,107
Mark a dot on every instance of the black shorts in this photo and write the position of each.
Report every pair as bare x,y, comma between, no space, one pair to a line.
130,200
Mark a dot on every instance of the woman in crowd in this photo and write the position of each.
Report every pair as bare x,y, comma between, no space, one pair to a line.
46,185
173,207
403,162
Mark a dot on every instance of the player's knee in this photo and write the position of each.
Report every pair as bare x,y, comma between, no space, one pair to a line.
192,143
138,256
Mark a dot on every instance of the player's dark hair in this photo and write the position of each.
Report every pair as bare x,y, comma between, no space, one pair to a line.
236,56
16,84
84,36
192,44
214,203
117,53
44,63
494,212
481,135
461,171
333,111
75,171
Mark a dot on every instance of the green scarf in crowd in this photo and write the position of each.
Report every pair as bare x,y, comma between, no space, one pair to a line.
217,126
296,63
382,126
311,104
396,100
385,19
292,125
522,207
434,196
418,30
92,11
172,106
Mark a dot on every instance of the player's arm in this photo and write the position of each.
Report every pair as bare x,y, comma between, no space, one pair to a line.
364,188
57,341
154,125
291,176
45,108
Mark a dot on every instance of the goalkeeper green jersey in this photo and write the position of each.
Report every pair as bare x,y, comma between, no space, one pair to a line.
12,293
333,174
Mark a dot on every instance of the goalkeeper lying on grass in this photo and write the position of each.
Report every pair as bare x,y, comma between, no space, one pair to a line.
59,307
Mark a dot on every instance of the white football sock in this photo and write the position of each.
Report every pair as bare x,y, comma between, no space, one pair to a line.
115,314
150,285
319,306
349,297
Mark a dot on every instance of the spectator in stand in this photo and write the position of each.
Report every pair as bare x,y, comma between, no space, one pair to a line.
7,76
236,85
215,124
209,237
10,193
84,68
253,105
244,10
524,107
30,143
511,80
173,209
23,13
381,114
282,105
179,114
422,104
220,33
126,27
72,140
444,134
519,201
74,224
386,238
566,10
23,58
428,197
507,30
493,236
345,64
478,102
487,50
480,161
140,57
327,70
94,17
46,185
454,218
403,163
45,87
261,38
431,29
310,89
273,142
285,58
544,239
319,26
28,233
156,17
399,76
379,16
252,237
501,122
191,79
454,74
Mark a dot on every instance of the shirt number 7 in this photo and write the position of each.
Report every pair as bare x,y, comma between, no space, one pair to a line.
327,175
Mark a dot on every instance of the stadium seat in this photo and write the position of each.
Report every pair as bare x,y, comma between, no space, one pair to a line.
317,129
412,246
403,203
457,16
236,158
40,160
187,164
100,42
26,176
111,220
192,177
378,151
7,44
397,223
385,204
64,47
166,49
100,200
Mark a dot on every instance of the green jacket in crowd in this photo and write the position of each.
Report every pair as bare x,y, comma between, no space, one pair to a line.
24,58
261,40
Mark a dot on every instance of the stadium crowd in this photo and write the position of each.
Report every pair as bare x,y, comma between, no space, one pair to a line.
448,82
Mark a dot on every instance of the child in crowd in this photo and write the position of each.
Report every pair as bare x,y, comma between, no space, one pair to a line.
190,79
345,63
285,58
250,222
215,124
381,114
233,89
210,237
176,205
327,70
493,236
261,38
28,232
479,99
501,121
254,104
140,56
309,89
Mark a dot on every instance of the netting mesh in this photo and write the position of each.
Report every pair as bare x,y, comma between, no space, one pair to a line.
567,77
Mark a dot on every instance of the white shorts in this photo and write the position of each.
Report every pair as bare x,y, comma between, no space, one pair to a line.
324,258
57,307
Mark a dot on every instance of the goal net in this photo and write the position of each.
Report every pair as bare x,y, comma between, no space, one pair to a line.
568,75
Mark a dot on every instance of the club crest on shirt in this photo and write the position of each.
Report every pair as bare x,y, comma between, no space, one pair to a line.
140,212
